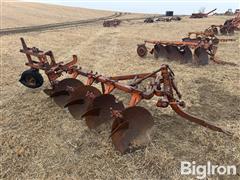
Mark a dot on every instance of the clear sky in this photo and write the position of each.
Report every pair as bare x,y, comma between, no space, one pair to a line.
150,6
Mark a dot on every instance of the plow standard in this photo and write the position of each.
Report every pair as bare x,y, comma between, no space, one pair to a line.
85,101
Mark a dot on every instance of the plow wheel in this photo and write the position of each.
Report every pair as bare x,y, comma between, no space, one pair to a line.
201,56
173,52
61,91
142,50
100,110
80,99
31,78
186,55
131,128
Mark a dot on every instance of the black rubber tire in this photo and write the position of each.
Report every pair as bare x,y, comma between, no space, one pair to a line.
32,75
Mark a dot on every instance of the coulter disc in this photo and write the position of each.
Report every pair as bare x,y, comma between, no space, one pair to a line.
61,92
186,53
173,52
156,51
162,52
80,99
201,56
99,111
131,127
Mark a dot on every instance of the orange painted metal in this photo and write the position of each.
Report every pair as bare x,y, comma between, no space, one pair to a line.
102,107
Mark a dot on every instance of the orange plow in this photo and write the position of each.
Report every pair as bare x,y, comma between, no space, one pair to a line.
197,48
180,50
84,101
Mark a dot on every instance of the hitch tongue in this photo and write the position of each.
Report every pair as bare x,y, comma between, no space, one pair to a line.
179,111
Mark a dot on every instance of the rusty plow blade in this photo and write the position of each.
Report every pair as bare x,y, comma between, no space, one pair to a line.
61,91
201,56
186,55
179,111
131,128
160,51
173,52
100,110
80,99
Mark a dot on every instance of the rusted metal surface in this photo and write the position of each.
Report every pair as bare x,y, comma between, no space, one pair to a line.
234,22
197,36
80,99
202,15
228,28
220,30
204,46
130,124
133,124
179,50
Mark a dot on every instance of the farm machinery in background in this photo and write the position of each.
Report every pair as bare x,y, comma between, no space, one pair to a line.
227,28
162,19
197,36
179,51
168,19
229,12
131,124
203,45
201,15
111,23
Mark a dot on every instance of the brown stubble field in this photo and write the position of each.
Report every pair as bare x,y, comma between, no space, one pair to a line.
40,140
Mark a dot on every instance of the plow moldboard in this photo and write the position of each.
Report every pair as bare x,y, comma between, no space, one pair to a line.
134,123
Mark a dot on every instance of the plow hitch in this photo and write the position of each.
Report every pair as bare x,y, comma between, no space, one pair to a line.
131,123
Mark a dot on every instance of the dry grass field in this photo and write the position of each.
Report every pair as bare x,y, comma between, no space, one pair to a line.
17,14
39,140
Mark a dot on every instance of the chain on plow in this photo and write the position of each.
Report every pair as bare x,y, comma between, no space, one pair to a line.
198,48
130,124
